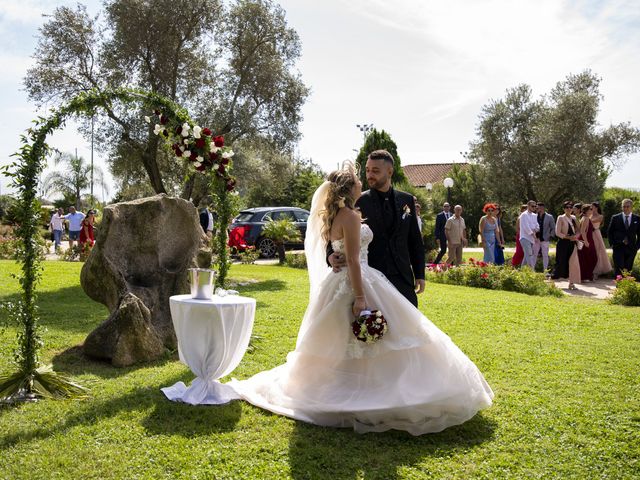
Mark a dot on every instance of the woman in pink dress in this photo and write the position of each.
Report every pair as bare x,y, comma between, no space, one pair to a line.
603,265
587,254
516,260
567,263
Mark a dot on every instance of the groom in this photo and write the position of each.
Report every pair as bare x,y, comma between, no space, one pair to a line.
396,249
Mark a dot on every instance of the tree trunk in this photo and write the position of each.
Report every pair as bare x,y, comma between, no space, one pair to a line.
187,189
150,162
281,253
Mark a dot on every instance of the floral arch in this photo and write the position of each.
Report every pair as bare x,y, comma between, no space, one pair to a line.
189,142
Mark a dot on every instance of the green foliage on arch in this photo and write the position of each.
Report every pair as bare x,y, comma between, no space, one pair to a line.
32,379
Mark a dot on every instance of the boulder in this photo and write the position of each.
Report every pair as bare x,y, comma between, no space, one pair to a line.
141,257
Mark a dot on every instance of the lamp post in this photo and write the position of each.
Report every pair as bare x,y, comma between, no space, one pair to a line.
365,128
429,187
448,183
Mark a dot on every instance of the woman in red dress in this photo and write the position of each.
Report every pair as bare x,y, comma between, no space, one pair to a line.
587,254
516,260
86,234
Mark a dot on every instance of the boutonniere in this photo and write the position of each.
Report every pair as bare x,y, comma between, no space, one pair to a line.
407,212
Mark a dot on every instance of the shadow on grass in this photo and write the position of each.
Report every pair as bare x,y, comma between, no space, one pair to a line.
272,285
73,361
337,454
166,418
67,309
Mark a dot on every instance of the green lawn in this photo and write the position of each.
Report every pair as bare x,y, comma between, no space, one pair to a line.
565,373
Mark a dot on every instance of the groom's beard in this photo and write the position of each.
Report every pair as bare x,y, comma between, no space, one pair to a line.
377,185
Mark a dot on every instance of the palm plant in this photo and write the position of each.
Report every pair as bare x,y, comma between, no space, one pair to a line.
281,231
73,179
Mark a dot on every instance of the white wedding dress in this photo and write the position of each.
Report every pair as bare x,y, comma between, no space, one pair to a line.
413,379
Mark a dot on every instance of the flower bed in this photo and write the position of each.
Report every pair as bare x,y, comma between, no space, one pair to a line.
482,275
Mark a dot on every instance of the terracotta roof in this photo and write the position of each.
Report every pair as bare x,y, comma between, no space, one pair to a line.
420,175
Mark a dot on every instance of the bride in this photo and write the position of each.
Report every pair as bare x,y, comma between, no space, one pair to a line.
414,378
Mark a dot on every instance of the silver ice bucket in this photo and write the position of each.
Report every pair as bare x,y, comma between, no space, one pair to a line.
201,280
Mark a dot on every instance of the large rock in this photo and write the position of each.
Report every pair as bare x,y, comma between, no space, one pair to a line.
141,256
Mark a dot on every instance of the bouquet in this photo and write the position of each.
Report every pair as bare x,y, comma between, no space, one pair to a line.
369,326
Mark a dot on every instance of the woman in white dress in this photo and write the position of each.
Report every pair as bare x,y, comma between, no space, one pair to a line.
414,378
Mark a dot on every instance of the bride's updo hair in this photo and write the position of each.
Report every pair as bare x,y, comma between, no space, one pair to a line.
342,182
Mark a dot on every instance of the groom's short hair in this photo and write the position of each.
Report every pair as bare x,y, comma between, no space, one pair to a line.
381,155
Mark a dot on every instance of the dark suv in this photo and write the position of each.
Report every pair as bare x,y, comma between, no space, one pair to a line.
246,228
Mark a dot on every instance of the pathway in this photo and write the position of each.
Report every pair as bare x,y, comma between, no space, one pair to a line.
598,290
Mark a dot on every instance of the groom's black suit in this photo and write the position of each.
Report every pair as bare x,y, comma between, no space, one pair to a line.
625,241
396,249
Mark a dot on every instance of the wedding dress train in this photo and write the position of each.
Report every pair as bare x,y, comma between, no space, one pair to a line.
414,378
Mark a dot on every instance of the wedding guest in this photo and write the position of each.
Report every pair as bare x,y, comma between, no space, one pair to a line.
604,265
499,248
418,213
206,220
567,263
587,254
57,227
528,228
86,233
456,232
516,260
488,232
75,224
577,210
624,237
547,231
441,238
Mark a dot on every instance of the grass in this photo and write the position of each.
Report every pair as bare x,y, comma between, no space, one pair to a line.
565,374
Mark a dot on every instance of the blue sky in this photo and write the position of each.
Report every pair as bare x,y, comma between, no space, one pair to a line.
422,70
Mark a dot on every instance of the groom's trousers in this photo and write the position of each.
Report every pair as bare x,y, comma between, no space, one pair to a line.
407,291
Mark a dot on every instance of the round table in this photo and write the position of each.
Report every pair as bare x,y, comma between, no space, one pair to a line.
213,336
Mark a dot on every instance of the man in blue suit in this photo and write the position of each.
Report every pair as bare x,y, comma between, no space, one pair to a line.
441,237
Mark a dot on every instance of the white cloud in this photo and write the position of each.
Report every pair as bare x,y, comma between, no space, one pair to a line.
22,12
442,61
14,67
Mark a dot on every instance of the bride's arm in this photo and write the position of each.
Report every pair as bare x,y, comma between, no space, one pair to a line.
351,231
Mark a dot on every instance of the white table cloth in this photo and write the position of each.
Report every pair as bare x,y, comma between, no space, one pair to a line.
213,336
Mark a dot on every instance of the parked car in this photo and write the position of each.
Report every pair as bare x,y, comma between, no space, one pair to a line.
246,228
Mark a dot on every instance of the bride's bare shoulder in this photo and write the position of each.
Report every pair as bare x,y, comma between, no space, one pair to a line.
346,214
345,218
